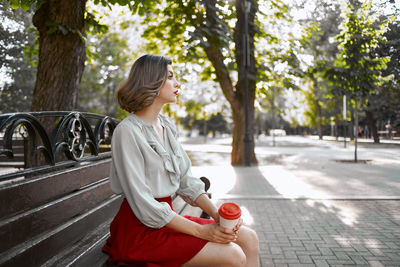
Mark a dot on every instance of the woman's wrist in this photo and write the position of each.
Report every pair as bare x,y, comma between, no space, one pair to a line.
215,215
198,230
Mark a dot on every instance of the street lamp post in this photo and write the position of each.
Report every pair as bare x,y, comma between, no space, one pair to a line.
246,58
344,118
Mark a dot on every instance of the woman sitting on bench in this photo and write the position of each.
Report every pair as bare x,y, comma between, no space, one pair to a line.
148,166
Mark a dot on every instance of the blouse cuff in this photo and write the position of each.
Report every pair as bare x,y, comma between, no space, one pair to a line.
167,219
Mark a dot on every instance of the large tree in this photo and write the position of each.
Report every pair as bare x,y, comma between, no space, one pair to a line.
212,33
62,27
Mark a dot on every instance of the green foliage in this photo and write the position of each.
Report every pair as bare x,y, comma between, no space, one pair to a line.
103,74
357,71
216,123
174,28
92,25
25,4
385,102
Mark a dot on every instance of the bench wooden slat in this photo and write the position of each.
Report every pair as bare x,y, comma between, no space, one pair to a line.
12,164
23,226
17,157
32,192
38,251
18,149
15,142
90,251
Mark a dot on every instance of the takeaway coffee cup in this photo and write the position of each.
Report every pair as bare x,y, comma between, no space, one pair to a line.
229,215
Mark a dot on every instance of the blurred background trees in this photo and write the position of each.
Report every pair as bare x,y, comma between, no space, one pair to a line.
17,64
305,55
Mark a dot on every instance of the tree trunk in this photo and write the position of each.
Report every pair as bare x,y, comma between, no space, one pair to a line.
239,106
238,134
351,129
61,61
372,126
319,118
61,54
356,131
235,95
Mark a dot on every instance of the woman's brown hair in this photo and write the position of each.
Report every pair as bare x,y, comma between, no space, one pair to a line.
145,80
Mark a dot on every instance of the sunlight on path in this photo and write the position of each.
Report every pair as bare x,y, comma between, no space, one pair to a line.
222,178
286,183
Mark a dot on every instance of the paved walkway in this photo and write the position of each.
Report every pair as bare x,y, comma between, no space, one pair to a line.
308,208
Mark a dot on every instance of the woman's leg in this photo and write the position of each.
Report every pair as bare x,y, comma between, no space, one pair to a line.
219,255
248,241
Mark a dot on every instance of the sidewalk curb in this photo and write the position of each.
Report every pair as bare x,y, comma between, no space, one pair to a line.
271,197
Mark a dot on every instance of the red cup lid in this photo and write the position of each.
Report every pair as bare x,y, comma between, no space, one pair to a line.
230,211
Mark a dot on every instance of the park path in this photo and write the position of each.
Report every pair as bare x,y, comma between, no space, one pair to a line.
307,208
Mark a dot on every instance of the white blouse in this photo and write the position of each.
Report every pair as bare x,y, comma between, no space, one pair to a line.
143,169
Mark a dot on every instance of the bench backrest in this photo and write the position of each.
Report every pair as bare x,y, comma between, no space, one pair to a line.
43,215
47,208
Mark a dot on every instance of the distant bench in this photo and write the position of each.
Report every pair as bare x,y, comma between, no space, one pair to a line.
59,214
385,133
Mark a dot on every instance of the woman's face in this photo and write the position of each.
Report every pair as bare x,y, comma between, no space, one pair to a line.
169,91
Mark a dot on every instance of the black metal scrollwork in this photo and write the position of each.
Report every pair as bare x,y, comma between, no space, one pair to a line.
76,134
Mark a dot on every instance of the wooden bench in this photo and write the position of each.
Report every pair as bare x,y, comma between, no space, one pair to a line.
59,215
61,218
385,133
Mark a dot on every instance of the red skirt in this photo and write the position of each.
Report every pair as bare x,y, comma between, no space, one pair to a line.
131,243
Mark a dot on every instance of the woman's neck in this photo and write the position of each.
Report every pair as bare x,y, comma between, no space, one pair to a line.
149,114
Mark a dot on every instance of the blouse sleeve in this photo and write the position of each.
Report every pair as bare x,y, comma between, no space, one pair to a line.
190,188
129,169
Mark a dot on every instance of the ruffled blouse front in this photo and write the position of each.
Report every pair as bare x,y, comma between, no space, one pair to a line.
143,169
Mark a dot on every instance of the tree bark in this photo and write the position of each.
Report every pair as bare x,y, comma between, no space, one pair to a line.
238,132
61,54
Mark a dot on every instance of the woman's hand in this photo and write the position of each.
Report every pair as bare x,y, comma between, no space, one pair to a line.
237,226
215,233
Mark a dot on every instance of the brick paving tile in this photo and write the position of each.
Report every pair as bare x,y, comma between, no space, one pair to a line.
321,263
375,264
290,255
358,260
305,259
286,261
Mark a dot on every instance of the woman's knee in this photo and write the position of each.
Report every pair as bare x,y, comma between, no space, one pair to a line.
249,239
235,256
215,254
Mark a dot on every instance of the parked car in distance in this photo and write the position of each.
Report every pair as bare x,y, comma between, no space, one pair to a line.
277,132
